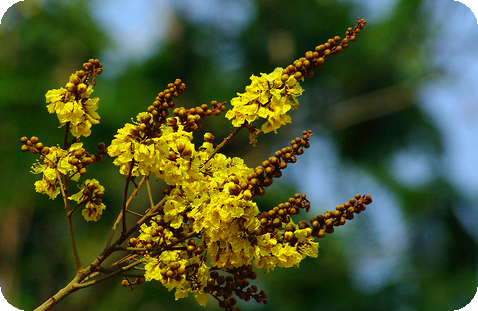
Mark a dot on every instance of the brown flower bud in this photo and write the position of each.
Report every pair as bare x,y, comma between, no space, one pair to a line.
208,137
34,140
80,74
298,75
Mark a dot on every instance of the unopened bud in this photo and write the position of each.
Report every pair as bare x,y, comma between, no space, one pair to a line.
81,88
71,87
208,137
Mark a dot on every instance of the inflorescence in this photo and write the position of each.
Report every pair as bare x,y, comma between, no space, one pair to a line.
206,234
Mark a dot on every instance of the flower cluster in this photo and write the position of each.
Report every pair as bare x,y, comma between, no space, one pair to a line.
208,221
77,110
273,95
90,195
167,155
207,234
268,97
56,162
73,105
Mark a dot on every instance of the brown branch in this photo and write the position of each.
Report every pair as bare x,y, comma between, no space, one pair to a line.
125,194
64,193
128,202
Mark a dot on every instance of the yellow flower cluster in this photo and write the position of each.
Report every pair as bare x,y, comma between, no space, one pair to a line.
167,156
55,162
73,105
202,202
90,195
271,251
207,221
175,271
268,97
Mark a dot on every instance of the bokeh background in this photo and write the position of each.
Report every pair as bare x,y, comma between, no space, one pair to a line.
395,115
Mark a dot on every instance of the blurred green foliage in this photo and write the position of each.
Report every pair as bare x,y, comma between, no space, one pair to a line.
363,100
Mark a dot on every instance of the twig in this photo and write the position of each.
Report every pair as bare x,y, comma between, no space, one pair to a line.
118,219
67,131
64,193
108,276
224,142
149,191
134,213
125,194
82,274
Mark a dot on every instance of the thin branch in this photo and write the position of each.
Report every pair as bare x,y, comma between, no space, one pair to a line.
82,274
134,213
109,276
77,205
125,194
149,192
224,142
118,219
64,193
67,131
128,257
134,264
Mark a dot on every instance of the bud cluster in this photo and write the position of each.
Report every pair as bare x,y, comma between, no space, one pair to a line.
156,237
263,175
158,110
34,145
81,158
279,216
325,223
93,192
93,68
313,60
127,282
191,118
223,287
78,84
173,271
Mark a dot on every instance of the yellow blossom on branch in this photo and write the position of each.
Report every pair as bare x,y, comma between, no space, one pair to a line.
267,97
90,195
166,155
207,233
74,106
49,184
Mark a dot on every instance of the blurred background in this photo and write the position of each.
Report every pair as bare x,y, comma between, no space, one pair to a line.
395,115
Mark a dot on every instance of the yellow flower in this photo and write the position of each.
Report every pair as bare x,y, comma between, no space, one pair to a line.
263,258
266,97
225,221
269,252
77,110
288,255
49,182
90,192
122,147
153,155
92,211
64,166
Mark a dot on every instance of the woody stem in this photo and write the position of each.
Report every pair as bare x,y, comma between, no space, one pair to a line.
64,193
